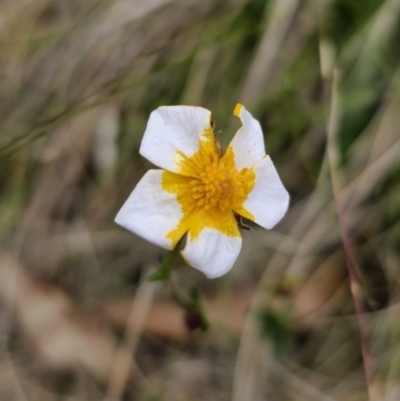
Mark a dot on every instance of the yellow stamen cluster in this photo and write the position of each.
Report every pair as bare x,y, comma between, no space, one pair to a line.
215,187
209,189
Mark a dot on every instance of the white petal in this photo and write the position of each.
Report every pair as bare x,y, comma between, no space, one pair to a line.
269,200
212,252
150,211
173,129
248,143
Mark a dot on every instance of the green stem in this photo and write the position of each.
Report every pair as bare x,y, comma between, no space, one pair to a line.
192,303
186,303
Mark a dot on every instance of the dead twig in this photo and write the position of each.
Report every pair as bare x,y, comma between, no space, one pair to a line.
360,303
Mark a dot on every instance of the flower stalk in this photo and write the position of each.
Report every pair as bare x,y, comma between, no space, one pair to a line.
195,316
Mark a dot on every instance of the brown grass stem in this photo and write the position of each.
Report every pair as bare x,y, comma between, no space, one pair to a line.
359,300
124,364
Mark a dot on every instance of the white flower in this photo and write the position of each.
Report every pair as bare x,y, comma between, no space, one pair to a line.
200,192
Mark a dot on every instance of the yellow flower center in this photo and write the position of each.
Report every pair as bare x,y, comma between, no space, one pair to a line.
214,187
209,189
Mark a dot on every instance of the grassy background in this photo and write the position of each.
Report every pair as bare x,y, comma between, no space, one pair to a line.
78,80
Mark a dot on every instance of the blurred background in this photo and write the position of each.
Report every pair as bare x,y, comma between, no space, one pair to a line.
78,80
